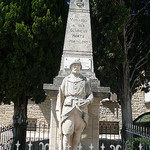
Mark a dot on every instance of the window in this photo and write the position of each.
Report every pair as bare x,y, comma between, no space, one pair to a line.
108,127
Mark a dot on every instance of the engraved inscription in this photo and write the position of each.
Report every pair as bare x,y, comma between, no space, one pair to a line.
79,31
86,62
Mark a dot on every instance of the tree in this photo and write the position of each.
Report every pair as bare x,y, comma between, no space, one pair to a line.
122,49
31,40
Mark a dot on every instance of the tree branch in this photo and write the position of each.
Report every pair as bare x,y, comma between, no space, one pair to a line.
134,83
132,59
125,41
130,40
135,68
132,18
142,64
129,30
138,48
138,65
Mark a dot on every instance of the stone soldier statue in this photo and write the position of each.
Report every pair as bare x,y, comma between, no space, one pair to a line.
72,106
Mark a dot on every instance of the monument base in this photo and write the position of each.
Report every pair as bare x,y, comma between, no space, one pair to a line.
91,132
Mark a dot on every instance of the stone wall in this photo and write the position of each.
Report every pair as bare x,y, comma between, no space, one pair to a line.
41,112
139,106
6,114
109,110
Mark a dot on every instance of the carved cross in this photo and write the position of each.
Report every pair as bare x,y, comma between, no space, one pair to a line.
91,147
140,146
30,145
80,146
68,146
102,147
17,145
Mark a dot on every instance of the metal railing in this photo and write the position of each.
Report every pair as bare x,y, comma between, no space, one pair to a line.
109,134
5,135
36,133
139,138
109,137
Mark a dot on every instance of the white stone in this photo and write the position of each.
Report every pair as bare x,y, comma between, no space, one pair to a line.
72,106
86,62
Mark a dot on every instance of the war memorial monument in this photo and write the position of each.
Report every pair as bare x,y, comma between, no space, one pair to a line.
76,92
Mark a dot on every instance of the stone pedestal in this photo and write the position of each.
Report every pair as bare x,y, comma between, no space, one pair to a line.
91,133
53,125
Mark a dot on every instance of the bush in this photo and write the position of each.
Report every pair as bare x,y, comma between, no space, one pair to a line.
133,144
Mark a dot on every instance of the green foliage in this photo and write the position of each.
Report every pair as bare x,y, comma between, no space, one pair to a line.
108,22
120,37
133,144
31,40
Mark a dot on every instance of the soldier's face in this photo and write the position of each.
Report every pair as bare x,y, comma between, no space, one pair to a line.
75,68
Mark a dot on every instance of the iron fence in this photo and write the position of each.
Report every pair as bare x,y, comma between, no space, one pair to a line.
36,133
37,137
139,138
109,135
5,135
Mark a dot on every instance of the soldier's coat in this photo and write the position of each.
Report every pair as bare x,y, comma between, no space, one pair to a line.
74,91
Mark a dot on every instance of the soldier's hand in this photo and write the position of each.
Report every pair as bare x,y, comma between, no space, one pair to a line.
84,102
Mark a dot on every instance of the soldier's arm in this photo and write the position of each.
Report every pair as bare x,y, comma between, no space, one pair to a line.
89,92
60,100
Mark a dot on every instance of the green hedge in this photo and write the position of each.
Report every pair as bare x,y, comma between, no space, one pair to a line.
133,144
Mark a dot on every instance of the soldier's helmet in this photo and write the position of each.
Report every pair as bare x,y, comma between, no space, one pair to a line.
76,61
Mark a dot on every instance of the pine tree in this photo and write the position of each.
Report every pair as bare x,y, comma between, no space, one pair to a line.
31,40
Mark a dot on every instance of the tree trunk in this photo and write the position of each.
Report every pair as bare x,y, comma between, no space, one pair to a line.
126,115
19,123
125,100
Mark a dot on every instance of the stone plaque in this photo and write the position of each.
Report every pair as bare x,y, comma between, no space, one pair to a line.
86,62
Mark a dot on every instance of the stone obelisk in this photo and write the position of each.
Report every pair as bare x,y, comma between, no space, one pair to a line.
78,41
78,44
